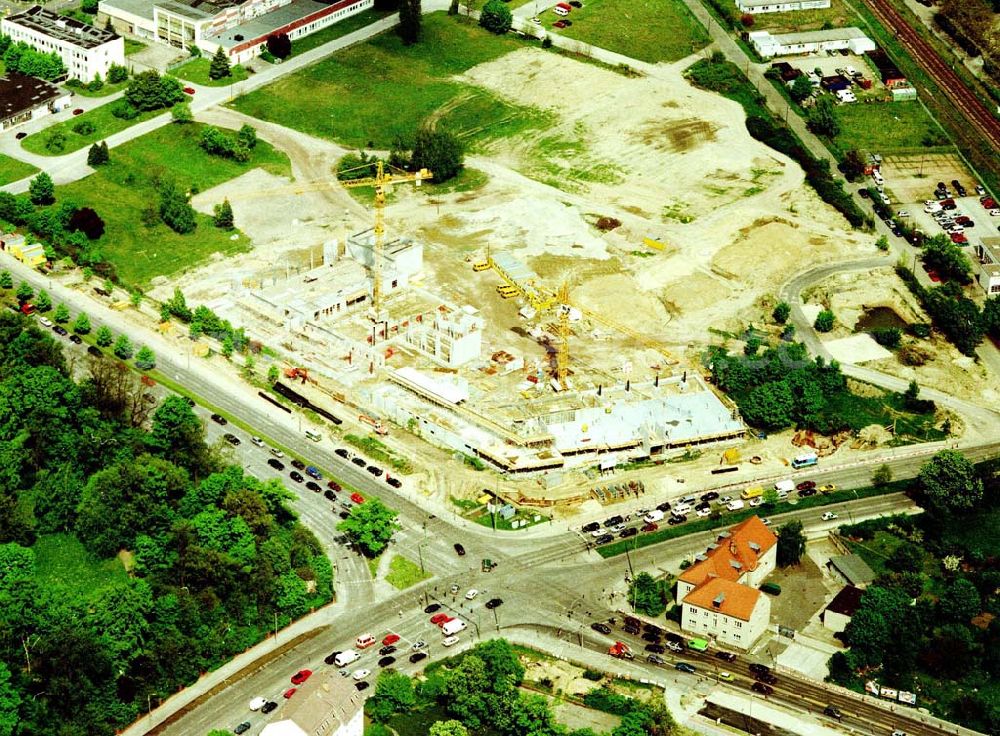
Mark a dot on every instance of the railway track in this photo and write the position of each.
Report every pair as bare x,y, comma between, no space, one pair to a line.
947,80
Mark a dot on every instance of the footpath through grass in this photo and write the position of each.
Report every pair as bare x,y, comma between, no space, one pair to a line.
648,30
197,70
728,519
105,124
374,92
120,190
13,170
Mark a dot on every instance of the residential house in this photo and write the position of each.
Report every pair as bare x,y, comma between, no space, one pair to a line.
719,594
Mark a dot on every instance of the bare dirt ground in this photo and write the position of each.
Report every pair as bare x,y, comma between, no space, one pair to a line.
802,593
849,294
667,160
913,177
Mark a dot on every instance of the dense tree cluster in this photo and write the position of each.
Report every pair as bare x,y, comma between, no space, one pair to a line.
480,691
51,225
957,316
237,147
20,57
648,595
918,621
782,387
149,91
947,258
216,554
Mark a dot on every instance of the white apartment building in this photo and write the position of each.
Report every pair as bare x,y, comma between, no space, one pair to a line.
718,594
85,50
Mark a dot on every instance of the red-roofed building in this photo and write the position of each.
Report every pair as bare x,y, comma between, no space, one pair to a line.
718,593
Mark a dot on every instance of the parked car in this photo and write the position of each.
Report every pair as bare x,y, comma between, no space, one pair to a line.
189,90
76,339
601,628
296,476
655,659
417,656
394,482
257,703
433,608
390,639
760,687
331,657
833,711
289,692
630,532
494,603
231,439
242,728
827,488
459,549
765,677
301,676
268,706
685,667
829,516
219,420
806,485
656,648
650,527
334,486
604,539
275,463
357,498
386,661
359,686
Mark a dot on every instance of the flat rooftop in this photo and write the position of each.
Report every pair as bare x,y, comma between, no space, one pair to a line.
833,34
61,28
265,24
139,8
19,93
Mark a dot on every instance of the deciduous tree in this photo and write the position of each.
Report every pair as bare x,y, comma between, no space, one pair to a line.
393,694
824,321
145,359
496,17
43,302
409,21
370,526
439,151
782,311
103,336
949,484
791,543
61,315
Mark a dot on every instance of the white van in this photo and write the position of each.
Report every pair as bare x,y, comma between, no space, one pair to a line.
345,658
785,485
877,176
735,505
453,627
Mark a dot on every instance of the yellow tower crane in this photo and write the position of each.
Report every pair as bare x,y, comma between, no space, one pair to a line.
381,183
562,349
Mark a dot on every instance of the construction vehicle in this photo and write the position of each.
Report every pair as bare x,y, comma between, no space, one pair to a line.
297,373
620,650
375,424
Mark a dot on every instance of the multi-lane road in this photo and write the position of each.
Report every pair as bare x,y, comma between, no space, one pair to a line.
546,579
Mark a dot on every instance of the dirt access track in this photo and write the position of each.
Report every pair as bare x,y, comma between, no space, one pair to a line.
670,161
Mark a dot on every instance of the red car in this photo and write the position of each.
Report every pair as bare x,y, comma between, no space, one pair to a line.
959,238
391,639
445,620
78,111
439,618
301,676
334,486
651,527
189,90
289,692
357,498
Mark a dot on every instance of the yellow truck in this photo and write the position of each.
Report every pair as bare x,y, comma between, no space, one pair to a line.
752,492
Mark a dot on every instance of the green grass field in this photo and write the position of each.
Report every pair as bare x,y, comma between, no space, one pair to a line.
891,127
647,30
196,71
379,90
133,47
65,567
838,15
120,190
13,170
337,30
403,572
105,124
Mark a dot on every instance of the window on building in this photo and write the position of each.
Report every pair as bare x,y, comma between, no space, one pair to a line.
739,624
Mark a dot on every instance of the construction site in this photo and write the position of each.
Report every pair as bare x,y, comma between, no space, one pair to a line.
534,325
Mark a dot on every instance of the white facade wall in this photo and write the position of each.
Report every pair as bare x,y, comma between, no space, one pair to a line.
82,63
725,629
782,7
125,22
765,566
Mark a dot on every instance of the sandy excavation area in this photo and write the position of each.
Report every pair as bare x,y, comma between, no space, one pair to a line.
667,160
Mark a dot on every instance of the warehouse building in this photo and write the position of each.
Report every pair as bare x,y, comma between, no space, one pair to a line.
811,42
